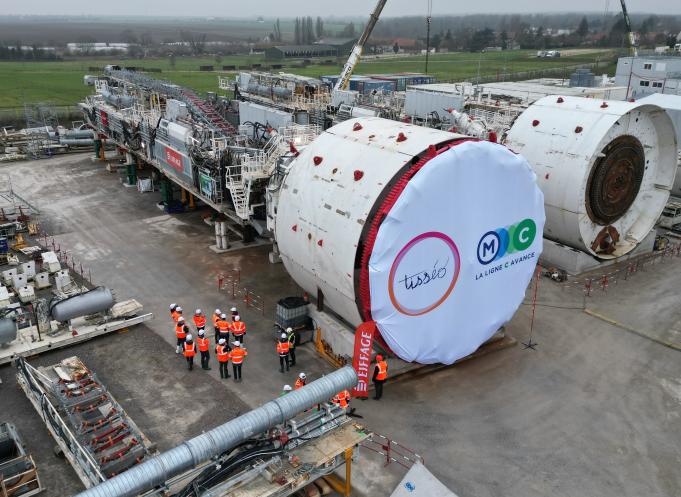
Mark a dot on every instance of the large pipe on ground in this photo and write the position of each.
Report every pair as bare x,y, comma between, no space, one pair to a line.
157,470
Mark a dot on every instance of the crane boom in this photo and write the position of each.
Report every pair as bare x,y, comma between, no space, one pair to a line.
630,30
356,54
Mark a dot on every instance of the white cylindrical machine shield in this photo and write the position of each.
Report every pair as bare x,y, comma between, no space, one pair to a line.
606,169
433,235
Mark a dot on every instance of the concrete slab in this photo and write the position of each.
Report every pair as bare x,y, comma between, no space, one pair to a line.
594,410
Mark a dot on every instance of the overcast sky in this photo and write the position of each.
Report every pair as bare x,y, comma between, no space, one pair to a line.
325,8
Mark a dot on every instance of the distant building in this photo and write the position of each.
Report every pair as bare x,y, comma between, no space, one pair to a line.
300,51
343,45
649,74
87,47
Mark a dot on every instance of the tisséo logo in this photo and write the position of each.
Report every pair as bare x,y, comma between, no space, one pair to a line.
424,273
504,241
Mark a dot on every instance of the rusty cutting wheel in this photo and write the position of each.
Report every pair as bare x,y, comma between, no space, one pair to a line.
615,180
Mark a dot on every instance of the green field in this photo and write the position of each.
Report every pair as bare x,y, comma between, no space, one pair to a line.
61,83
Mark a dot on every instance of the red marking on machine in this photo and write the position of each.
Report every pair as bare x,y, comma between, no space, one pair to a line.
358,174
174,159
317,160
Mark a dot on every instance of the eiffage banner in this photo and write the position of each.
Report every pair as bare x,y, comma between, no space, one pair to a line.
361,361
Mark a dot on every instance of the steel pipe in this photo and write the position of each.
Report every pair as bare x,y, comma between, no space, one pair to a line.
157,470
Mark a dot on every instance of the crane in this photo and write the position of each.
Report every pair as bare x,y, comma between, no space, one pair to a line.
630,31
356,54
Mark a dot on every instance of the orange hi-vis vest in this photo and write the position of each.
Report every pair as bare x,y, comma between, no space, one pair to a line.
342,398
238,355
299,384
189,349
223,353
175,315
216,320
200,321
382,370
283,347
223,326
203,344
238,328
180,332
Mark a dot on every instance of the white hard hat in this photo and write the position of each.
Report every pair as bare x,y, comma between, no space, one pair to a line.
283,335
201,333
180,319
237,343
178,309
173,306
233,309
189,337
198,311
222,341
218,311
302,376
287,388
237,318
289,330
223,316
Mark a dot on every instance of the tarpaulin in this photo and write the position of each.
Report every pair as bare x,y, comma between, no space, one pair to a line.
454,255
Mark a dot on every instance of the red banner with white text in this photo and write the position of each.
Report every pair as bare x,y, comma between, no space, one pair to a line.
364,339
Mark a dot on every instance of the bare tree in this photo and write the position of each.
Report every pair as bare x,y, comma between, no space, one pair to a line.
196,41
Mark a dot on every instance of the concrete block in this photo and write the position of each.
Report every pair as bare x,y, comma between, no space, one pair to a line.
8,276
19,281
42,280
28,269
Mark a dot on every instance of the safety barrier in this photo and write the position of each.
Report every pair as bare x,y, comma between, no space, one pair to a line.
392,451
230,280
63,255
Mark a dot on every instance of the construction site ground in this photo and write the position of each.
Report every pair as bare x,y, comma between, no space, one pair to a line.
594,409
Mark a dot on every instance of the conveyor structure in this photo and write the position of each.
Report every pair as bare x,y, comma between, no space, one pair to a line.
190,141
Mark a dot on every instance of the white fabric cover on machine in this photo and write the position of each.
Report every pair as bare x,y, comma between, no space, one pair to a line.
454,256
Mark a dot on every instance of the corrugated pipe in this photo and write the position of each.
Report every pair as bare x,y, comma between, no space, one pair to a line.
157,470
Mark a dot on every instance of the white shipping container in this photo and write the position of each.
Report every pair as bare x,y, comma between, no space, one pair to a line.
255,113
420,103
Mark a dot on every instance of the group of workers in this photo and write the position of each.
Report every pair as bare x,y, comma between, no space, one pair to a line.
222,327
236,352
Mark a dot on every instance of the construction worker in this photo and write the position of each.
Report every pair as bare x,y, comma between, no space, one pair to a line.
342,399
238,329
204,345
380,375
178,313
234,312
190,351
223,327
301,381
222,351
282,350
216,318
180,334
237,355
287,389
291,337
199,320
172,311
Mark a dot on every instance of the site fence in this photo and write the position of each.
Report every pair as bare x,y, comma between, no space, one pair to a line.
392,451
16,116
562,72
67,259
230,281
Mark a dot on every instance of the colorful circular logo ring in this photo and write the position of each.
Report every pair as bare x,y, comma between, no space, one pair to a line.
405,250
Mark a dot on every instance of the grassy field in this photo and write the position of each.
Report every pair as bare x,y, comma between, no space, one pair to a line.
61,83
